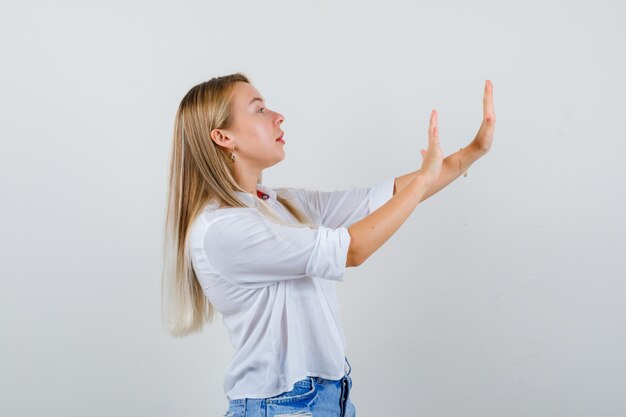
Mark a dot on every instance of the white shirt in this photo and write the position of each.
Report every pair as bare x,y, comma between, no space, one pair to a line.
275,285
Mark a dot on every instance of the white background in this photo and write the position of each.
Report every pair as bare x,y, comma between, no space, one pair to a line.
502,295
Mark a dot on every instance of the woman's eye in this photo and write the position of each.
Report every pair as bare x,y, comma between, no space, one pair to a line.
261,109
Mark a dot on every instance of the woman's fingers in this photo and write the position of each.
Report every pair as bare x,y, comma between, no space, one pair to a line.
432,133
484,137
433,129
489,114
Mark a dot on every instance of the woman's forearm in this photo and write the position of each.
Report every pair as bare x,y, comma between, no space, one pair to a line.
449,170
371,232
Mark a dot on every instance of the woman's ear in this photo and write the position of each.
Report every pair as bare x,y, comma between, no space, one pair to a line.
218,136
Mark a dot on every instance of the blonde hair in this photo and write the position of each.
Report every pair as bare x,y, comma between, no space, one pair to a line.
200,171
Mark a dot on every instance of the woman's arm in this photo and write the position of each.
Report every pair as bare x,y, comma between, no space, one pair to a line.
369,234
449,170
340,207
477,148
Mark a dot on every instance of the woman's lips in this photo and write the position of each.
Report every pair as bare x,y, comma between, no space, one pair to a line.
280,140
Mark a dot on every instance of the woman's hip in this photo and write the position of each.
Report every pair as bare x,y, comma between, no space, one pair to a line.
311,396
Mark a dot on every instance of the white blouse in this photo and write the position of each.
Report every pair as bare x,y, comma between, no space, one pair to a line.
275,285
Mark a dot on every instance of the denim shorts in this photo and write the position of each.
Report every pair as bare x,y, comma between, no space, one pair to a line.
312,396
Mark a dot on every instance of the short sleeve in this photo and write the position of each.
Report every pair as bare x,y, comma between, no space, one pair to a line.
342,208
252,251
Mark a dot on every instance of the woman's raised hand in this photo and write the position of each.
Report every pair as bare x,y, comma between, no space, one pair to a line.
484,137
432,158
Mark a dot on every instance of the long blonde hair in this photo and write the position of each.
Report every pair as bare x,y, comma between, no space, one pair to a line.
200,171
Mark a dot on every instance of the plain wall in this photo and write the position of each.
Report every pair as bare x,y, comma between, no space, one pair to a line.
502,295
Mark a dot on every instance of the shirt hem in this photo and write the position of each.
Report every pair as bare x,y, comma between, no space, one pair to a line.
286,388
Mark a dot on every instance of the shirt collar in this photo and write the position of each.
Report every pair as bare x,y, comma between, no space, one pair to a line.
270,195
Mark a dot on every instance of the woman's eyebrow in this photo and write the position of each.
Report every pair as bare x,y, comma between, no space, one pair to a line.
255,99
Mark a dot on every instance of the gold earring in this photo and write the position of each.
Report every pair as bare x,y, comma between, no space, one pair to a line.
232,154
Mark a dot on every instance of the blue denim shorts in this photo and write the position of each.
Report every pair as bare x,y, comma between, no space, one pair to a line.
312,396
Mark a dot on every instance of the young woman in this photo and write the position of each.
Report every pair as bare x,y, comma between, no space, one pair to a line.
268,258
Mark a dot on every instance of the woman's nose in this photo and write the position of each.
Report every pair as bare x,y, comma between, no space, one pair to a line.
280,118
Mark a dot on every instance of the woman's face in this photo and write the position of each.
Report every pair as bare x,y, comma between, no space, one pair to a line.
255,128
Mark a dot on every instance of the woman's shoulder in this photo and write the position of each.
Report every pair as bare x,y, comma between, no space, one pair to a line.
212,211
210,215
